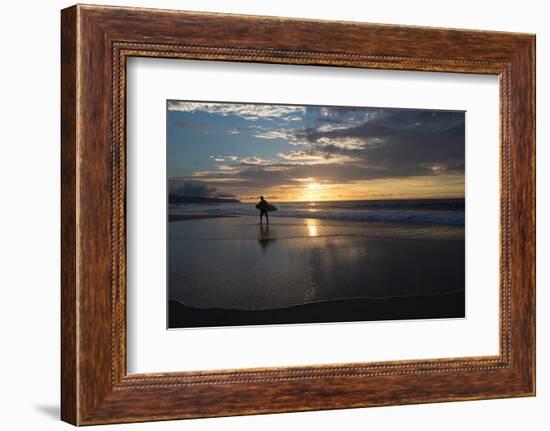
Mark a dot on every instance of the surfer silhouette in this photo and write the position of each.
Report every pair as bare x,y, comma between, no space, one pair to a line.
263,206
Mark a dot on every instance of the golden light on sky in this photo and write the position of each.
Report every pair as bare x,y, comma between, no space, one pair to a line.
312,192
313,153
443,186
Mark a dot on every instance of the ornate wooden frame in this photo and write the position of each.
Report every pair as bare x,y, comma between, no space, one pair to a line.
95,43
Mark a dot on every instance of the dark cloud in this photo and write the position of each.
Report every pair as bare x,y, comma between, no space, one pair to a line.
406,142
187,125
185,187
342,145
386,144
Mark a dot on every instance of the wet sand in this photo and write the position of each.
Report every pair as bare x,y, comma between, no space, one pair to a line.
233,271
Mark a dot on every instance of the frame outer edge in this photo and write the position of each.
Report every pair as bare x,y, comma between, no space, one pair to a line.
533,53
69,202
532,80
523,217
531,83
87,397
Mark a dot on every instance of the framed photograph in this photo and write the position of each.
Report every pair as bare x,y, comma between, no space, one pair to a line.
264,215
355,197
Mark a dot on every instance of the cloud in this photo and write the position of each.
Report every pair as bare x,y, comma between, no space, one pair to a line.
275,134
227,168
406,141
188,125
253,160
185,187
347,143
339,118
221,158
314,158
247,111
336,145
190,188
385,145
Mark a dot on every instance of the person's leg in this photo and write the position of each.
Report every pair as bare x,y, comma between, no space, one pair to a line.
261,216
267,217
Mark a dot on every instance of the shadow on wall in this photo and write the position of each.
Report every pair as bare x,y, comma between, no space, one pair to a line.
49,410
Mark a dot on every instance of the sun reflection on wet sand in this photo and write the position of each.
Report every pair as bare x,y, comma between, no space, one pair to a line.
312,225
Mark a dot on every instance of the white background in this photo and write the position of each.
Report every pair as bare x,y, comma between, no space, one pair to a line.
29,225
151,348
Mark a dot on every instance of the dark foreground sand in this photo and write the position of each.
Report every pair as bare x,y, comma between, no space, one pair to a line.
343,310
231,271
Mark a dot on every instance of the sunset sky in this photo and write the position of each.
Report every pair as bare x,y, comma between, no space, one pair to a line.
313,153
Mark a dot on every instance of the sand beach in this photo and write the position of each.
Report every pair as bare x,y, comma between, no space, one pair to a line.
227,271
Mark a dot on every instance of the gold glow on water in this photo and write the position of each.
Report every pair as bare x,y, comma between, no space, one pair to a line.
312,225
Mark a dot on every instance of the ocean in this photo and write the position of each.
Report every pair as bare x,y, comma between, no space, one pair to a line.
314,254
432,211
236,265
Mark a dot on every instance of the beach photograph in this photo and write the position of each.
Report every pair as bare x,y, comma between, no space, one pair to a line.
304,214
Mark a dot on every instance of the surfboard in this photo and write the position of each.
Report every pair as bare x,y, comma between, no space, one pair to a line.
269,207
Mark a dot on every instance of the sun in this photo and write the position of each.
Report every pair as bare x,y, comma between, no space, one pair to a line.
313,187
311,191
